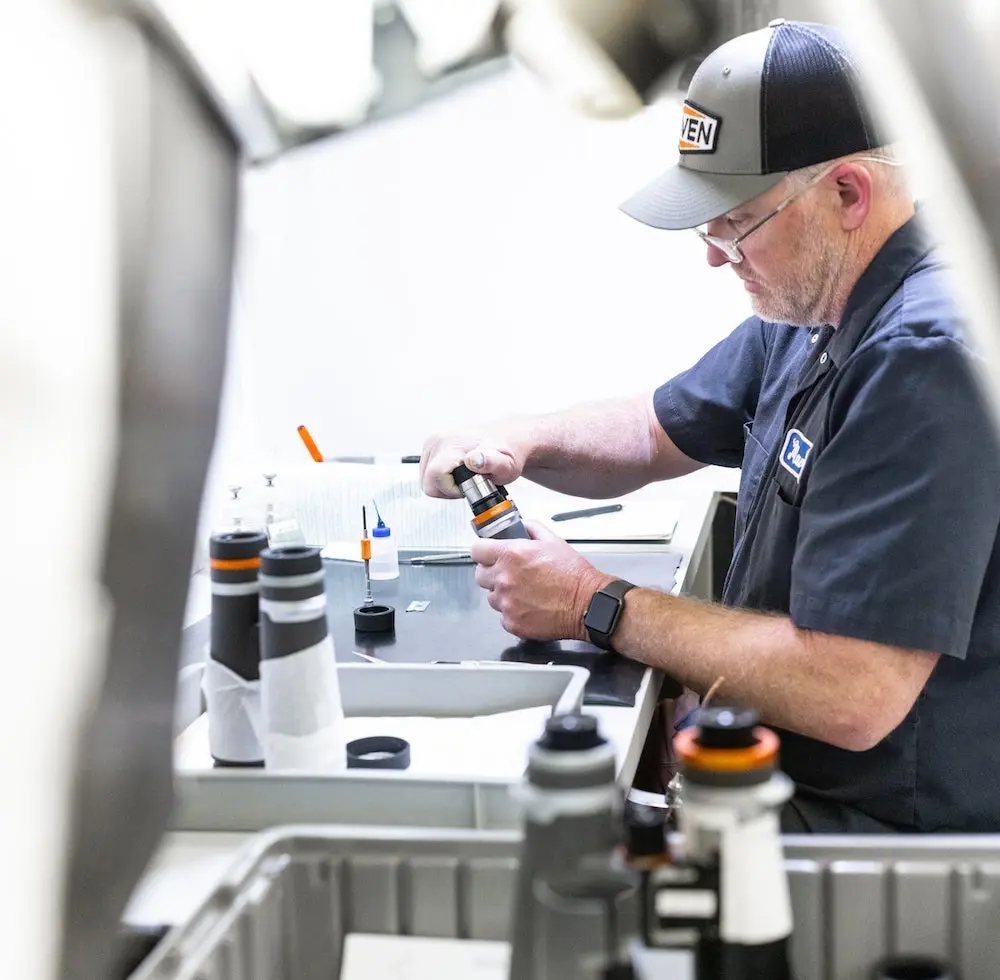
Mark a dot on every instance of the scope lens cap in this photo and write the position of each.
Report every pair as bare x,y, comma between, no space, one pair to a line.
374,619
572,732
726,728
645,832
461,473
911,968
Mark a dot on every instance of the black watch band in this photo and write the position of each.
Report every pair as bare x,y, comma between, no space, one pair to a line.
604,612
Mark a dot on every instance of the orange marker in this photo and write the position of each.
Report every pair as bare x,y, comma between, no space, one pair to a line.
310,445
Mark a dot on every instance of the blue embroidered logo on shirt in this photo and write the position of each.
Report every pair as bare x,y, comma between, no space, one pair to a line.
795,452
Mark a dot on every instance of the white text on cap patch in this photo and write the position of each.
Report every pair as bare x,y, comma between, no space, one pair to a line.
699,130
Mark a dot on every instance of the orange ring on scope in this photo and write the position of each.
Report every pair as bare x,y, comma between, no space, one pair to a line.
233,564
496,509
764,753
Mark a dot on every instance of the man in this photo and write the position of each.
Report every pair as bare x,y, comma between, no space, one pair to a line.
861,614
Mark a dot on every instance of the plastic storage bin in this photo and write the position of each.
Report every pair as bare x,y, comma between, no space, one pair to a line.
284,908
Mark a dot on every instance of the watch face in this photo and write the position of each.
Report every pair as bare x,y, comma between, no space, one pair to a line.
602,612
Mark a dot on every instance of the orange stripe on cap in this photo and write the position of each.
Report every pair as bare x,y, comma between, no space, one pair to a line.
764,753
233,564
488,515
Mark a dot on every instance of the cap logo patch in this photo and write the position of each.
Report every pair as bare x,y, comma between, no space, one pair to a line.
699,130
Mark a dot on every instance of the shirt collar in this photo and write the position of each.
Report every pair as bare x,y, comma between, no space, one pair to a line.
901,252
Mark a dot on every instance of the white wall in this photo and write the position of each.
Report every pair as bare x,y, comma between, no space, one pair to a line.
459,262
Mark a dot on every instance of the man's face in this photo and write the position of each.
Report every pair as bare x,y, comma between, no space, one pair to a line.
790,263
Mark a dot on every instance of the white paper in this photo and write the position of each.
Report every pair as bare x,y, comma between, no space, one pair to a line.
342,551
303,718
423,958
480,745
233,708
472,747
634,522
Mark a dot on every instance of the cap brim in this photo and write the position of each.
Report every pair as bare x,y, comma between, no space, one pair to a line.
683,198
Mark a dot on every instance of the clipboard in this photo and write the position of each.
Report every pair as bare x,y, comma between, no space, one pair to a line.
635,523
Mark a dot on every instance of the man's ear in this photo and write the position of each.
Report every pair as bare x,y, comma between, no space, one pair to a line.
855,191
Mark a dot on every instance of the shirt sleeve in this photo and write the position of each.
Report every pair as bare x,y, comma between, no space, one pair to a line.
703,409
900,514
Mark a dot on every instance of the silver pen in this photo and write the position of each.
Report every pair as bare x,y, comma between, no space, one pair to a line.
452,557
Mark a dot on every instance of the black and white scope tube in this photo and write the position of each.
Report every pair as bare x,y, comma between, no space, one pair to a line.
231,683
303,719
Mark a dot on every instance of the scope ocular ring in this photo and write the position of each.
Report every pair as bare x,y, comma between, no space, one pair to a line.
494,511
378,752
374,619
758,756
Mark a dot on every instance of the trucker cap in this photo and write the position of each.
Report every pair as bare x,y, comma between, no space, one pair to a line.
759,106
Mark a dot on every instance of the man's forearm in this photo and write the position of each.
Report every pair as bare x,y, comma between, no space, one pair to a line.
598,449
848,692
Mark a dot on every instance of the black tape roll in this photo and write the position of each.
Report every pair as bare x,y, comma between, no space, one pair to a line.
378,752
911,968
374,619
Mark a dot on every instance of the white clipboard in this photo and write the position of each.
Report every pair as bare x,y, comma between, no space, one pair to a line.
636,523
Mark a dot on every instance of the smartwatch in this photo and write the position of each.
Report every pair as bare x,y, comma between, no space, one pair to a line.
605,611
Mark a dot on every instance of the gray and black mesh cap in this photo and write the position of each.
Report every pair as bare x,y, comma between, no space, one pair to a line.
759,106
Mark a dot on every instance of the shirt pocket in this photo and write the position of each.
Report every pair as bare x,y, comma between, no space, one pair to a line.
772,552
753,466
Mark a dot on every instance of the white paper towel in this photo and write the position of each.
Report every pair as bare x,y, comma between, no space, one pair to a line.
234,714
303,718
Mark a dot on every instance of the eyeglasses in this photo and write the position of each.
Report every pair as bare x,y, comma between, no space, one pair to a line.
730,247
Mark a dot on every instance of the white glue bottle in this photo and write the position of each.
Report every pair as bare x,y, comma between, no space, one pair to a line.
385,557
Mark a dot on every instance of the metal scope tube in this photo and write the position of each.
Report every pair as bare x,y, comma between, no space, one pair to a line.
493,512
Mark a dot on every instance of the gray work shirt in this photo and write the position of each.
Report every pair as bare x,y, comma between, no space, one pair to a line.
869,507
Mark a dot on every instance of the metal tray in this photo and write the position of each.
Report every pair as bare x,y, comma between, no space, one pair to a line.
254,799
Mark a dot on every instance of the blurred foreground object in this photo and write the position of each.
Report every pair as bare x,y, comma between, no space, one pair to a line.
607,59
933,75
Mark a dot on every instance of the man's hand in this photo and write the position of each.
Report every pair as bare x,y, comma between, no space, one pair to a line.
482,454
540,587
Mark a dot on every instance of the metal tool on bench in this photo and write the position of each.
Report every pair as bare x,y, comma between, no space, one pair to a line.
371,616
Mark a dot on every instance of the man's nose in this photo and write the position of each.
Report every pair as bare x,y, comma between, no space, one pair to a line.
716,256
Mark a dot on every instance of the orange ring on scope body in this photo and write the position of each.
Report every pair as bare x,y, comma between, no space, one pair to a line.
764,753
487,515
234,564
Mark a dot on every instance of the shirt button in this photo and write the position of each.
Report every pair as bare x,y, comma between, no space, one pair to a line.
823,357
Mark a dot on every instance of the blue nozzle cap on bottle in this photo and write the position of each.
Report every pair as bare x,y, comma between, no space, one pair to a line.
380,531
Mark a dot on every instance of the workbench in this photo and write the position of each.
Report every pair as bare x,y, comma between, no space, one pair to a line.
187,865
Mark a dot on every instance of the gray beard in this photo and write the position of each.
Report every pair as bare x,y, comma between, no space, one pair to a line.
802,303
